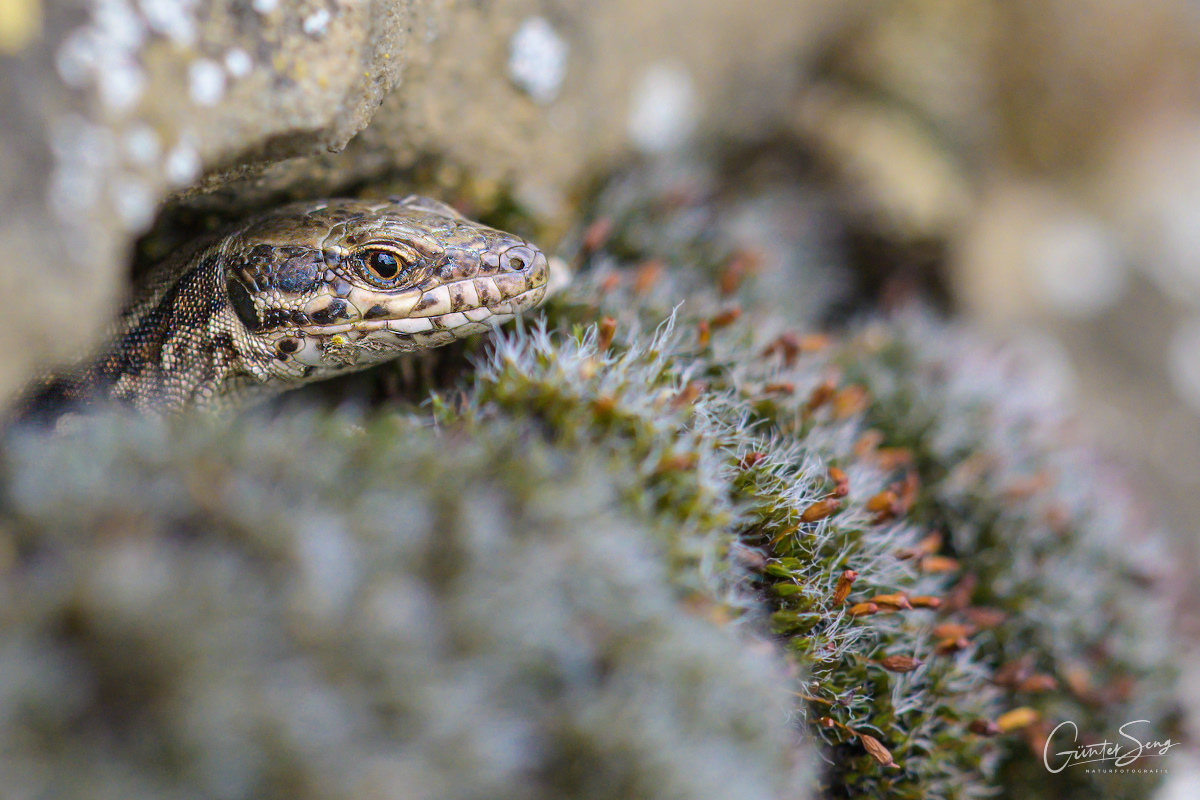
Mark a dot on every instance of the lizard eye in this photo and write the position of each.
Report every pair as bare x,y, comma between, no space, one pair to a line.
384,267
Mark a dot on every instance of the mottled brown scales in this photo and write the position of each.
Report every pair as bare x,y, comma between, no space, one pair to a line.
297,295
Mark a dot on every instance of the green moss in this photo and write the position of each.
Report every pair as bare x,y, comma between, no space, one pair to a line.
333,607
1025,542
601,563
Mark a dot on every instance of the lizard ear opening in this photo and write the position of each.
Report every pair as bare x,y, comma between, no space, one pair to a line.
243,304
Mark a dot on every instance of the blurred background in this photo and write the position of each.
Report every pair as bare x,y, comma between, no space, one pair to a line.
1048,155
1033,166
1044,159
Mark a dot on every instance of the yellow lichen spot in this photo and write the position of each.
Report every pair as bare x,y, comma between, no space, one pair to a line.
20,24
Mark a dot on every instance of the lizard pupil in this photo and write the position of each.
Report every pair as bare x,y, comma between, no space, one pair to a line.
383,264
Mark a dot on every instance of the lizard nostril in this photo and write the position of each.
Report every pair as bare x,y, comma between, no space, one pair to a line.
517,258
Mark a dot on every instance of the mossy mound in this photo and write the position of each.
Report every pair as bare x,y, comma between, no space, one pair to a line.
335,608
579,569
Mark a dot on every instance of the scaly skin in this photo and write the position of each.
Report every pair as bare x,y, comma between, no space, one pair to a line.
301,294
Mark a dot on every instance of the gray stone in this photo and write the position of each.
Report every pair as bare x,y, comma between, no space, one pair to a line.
113,107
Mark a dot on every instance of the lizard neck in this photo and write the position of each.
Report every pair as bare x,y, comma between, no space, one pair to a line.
180,344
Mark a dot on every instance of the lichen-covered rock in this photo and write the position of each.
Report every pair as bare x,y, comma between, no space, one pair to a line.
113,106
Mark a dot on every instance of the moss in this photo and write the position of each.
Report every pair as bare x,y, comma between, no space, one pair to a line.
335,607
640,549
956,488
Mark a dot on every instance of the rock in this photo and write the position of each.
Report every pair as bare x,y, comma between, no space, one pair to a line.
114,107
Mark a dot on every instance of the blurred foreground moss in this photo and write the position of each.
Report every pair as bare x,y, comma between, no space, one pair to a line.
323,607
561,576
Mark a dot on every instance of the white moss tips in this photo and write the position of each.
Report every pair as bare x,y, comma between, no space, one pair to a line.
300,610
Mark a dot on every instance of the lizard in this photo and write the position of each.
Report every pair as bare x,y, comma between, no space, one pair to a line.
300,294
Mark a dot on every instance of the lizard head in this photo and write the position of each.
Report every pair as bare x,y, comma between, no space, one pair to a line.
343,284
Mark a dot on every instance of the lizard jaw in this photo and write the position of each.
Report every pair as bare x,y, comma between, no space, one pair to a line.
353,343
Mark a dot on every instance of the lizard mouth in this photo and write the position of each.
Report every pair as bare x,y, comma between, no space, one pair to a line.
478,318
359,344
